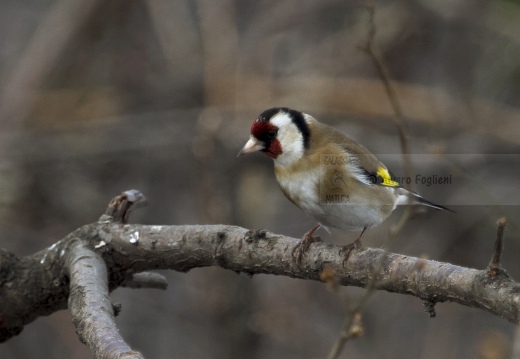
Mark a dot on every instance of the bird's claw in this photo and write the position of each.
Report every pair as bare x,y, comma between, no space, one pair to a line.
303,245
347,250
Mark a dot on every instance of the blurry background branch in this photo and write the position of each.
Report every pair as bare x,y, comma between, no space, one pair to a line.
52,36
160,95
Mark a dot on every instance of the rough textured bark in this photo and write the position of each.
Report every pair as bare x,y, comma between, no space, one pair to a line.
31,287
92,313
95,259
39,285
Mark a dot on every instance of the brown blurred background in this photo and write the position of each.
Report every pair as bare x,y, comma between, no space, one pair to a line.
100,97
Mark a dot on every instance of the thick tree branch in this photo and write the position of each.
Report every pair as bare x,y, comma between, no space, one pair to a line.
97,258
129,249
185,247
31,287
90,306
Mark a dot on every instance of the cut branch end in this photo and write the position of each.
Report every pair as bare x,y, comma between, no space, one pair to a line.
119,208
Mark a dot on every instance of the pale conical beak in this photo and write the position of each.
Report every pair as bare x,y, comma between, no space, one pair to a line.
252,145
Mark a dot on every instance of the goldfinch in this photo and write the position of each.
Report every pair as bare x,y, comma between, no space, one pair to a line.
327,174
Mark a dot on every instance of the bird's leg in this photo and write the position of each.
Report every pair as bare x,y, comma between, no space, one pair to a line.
303,245
350,247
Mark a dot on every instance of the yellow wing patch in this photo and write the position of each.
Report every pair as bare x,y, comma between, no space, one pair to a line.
386,178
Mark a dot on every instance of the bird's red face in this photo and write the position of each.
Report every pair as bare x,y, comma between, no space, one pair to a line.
281,133
263,138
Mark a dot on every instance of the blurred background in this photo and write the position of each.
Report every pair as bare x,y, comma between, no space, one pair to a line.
100,97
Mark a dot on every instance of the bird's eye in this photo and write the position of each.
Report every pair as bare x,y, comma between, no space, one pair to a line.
272,133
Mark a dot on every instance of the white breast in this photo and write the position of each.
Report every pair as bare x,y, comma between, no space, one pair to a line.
302,188
351,212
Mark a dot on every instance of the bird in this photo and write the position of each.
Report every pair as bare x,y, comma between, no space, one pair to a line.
328,175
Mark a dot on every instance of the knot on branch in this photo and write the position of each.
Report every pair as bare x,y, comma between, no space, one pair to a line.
254,235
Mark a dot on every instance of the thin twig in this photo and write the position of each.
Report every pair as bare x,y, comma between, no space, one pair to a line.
352,323
146,280
392,96
494,266
352,328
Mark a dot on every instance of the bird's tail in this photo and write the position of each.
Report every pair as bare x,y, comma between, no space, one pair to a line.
425,202
406,197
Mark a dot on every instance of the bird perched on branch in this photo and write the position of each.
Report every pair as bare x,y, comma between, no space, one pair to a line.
327,174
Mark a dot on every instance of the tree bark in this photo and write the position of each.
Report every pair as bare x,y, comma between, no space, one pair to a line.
91,261
39,285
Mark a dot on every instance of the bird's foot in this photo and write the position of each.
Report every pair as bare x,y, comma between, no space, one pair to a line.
303,245
347,250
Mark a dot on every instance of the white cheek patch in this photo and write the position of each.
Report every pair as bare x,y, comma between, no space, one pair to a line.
292,150
290,138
